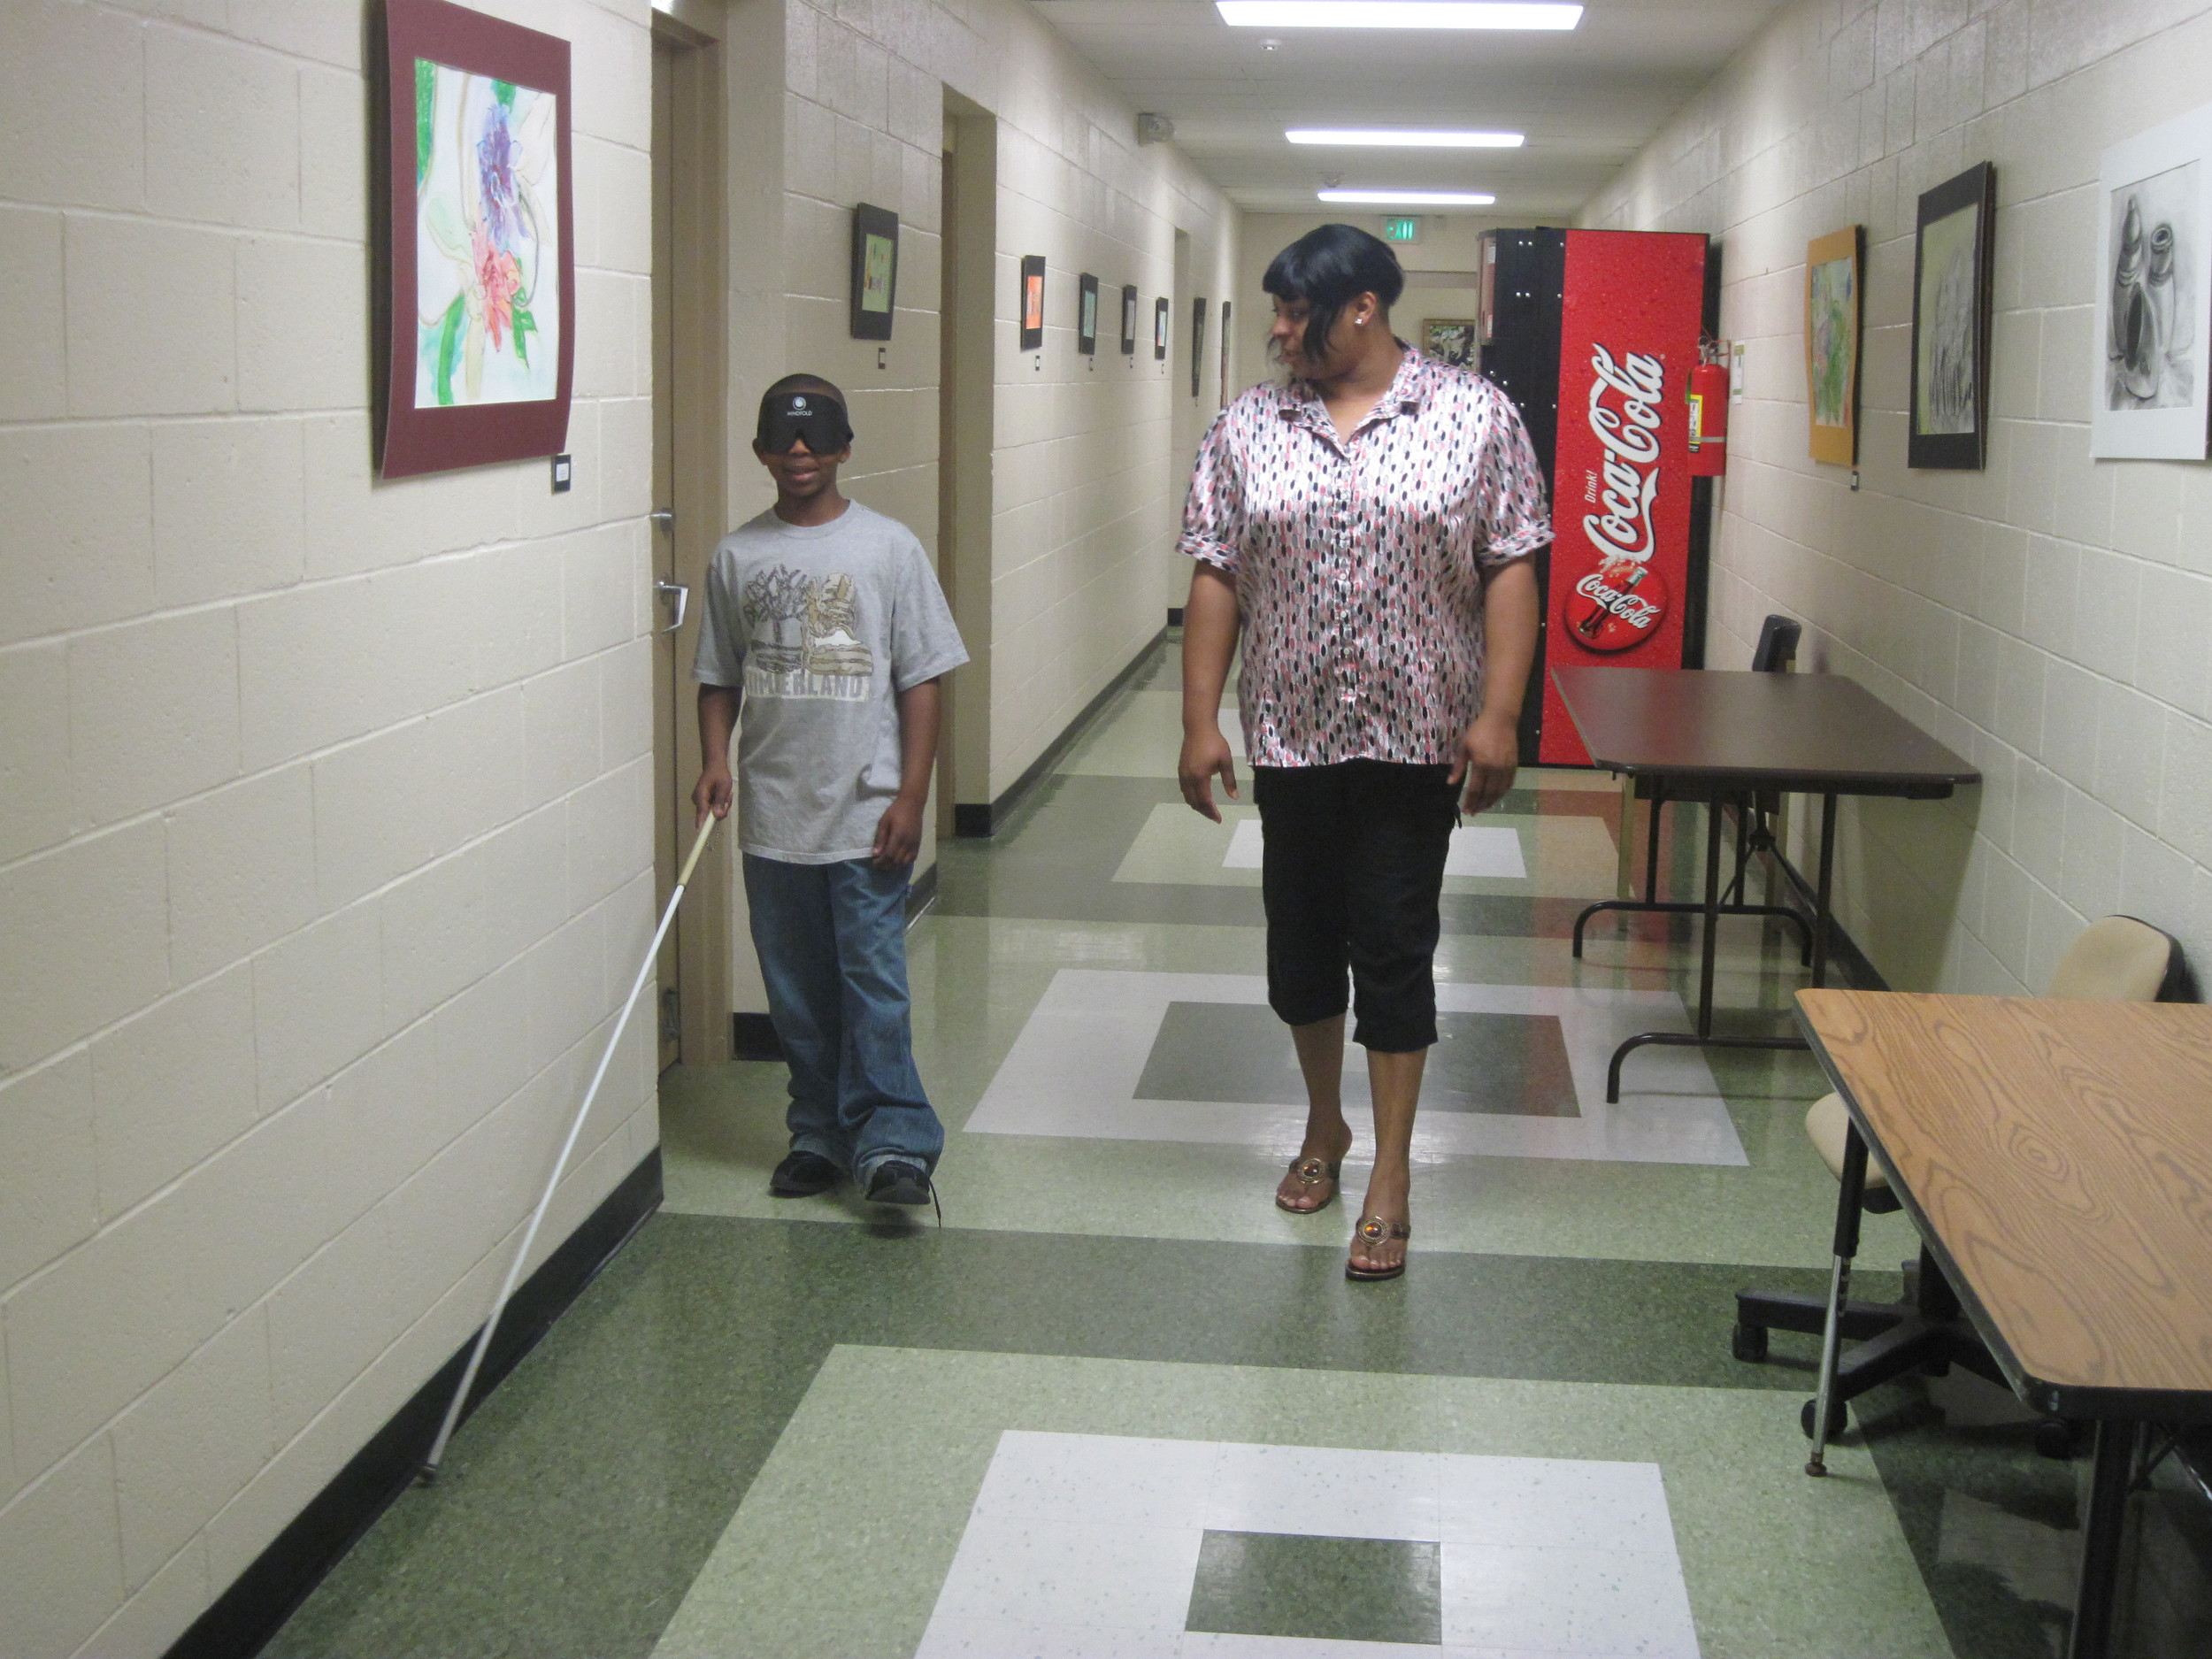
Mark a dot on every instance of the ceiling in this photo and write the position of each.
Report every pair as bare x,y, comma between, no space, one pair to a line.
1588,100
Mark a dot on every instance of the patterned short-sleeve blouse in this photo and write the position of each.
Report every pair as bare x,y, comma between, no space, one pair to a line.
1359,564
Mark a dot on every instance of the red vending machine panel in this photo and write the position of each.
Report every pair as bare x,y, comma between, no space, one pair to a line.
1628,337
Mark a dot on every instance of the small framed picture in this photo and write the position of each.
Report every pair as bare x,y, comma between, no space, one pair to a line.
2149,399
1033,302
1835,308
1162,317
1129,321
1951,267
1197,345
1086,315
1450,340
875,271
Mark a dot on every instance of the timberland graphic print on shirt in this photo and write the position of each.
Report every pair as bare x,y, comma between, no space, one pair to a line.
821,628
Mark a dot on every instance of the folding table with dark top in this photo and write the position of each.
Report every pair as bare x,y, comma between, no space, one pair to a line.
1739,735
2053,1156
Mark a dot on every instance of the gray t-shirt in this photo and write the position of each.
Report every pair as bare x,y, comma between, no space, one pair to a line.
822,625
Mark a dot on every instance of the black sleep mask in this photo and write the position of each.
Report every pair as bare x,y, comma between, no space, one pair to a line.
816,417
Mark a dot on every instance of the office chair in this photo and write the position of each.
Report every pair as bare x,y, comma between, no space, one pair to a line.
2117,959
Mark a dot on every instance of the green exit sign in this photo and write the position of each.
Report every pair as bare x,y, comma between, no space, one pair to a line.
1406,229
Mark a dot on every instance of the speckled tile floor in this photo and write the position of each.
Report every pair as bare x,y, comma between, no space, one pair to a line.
810,1428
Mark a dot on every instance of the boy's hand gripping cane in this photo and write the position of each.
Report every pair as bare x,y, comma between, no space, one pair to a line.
560,1164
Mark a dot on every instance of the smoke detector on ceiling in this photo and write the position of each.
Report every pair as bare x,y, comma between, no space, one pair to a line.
1154,129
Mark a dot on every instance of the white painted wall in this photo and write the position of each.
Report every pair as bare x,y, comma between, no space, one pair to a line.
2047,616
323,823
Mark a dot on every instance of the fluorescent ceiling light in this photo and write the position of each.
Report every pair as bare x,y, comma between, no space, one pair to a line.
1409,140
1409,199
1397,14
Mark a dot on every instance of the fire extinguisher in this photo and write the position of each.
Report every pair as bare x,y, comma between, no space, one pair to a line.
1708,420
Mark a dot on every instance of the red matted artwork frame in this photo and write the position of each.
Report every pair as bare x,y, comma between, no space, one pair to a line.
418,439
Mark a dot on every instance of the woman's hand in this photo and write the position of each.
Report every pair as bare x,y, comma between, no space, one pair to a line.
1204,754
1489,754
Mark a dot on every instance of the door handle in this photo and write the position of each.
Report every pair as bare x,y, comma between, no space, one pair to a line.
666,591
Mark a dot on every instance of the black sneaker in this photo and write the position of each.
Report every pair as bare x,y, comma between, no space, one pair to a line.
802,1175
896,1181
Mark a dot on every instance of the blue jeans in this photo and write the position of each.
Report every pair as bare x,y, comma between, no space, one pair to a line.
832,940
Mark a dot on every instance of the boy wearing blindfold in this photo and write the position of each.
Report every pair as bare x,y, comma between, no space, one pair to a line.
825,624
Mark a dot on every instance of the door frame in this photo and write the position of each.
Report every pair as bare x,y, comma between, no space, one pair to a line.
689,52
967,395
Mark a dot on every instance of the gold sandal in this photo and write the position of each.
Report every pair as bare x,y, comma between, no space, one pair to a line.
1373,1229
1310,1174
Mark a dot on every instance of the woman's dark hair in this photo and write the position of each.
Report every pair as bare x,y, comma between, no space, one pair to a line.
1328,268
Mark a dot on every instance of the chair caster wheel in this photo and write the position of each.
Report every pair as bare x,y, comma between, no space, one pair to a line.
2057,1440
1748,1343
1836,1419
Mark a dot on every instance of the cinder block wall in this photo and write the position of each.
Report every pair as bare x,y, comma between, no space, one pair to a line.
323,823
2046,617
1088,472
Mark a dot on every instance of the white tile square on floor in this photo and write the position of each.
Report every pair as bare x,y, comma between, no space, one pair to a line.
1477,850
1077,1067
1030,1582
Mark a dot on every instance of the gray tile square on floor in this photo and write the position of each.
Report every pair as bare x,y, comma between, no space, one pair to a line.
1504,1063
1342,1589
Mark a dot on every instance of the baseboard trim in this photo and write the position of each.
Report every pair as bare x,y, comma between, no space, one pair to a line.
242,1620
976,820
753,1037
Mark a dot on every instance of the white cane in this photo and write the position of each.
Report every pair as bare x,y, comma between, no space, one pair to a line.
560,1164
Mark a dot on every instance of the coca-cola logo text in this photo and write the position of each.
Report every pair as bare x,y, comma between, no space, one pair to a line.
1630,438
1638,613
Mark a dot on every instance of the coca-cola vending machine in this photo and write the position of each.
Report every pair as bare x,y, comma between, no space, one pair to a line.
1594,335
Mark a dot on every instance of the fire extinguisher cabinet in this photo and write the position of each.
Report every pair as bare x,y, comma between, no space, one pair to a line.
1594,337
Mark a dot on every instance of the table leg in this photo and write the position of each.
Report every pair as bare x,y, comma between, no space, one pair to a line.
2091,1637
1824,893
1712,916
1651,843
1850,1190
1624,884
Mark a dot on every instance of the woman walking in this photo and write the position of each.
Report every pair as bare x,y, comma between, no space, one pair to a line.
1366,526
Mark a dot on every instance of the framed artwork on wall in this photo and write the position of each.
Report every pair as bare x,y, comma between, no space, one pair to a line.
478,257
1161,316
2147,397
1226,338
1086,315
875,276
1835,310
1197,345
1449,338
1129,321
1951,267
1033,302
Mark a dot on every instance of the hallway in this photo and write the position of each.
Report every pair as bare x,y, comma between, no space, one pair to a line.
1121,1402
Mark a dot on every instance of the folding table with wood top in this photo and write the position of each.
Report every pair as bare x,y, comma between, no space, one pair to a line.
1740,735
2057,1157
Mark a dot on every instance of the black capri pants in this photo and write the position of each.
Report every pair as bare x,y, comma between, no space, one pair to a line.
1350,877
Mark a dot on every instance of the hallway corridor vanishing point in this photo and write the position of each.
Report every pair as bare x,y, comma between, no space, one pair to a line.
1120,1405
